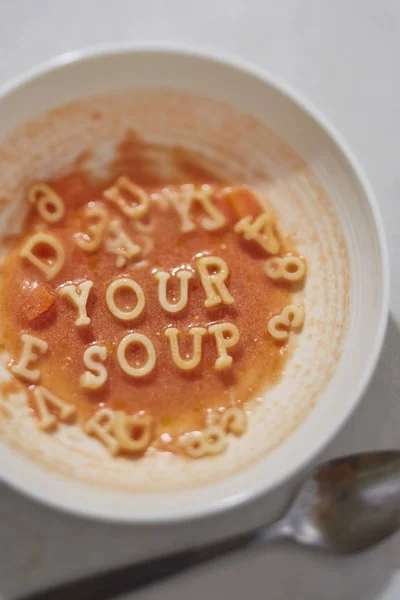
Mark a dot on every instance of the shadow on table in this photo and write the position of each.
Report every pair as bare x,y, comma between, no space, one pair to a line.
40,547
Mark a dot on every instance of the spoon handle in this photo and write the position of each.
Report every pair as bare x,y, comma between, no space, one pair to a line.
131,578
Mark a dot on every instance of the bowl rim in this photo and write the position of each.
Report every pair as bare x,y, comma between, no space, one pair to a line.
188,513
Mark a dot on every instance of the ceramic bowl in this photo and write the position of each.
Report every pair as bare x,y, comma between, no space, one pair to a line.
255,128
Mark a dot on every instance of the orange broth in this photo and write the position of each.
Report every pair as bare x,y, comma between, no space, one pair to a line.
178,401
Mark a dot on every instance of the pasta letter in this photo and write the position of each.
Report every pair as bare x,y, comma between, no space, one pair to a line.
43,399
78,294
234,420
96,216
136,339
33,346
260,231
213,271
49,266
291,317
183,202
133,433
124,186
163,277
118,242
226,336
186,364
125,283
96,375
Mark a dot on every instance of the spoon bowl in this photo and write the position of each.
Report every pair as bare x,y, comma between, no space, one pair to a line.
348,504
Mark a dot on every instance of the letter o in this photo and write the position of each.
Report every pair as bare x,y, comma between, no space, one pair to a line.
129,340
120,283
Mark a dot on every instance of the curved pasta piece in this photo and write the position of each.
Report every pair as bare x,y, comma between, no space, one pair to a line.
133,433
234,420
49,204
291,317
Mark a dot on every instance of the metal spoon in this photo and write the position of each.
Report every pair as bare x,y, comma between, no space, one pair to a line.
345,506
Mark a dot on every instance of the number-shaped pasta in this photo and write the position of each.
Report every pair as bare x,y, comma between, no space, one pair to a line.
234,420
291,268
231,420
210,442
291,317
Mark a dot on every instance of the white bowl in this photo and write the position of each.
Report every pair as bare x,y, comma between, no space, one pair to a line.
343,366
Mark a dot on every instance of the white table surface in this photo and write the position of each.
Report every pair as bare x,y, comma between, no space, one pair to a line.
345,56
